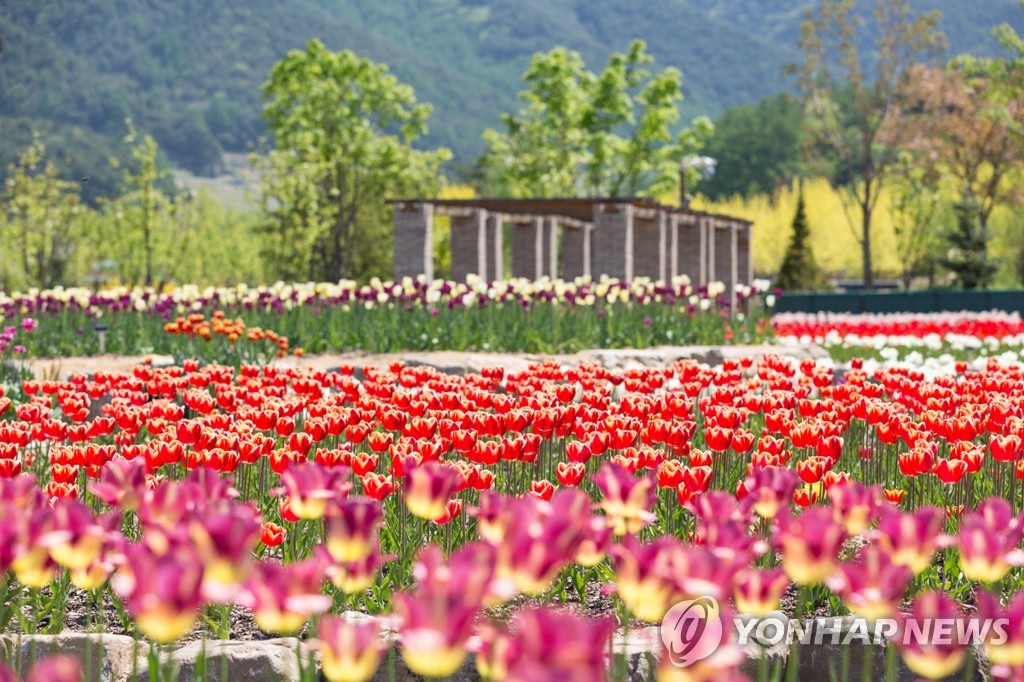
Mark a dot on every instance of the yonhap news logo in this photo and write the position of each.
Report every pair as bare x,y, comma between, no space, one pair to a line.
692,630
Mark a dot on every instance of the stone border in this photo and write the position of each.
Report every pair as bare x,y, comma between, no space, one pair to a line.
118,658
458,362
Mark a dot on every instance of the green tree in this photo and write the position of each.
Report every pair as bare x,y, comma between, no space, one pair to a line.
756,148
917,205
142,205
967,257
852,116
799,271
146,229
344,129
607,134
39,215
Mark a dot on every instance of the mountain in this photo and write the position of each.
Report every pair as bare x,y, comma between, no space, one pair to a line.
190,71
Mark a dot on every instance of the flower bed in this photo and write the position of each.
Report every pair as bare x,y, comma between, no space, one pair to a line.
469,512
961,335
513,316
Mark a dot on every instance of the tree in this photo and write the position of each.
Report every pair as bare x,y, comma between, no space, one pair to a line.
39,214
757,148
581,133
146,229
1004,75
799,271
961,127
344,129
968,257
140,207
916,205
853,119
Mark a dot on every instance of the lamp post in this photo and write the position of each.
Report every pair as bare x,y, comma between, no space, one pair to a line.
706,166
101,332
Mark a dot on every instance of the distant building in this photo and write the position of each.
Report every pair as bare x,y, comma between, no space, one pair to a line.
567,238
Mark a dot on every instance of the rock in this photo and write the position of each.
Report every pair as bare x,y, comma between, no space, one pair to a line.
272,660
109,656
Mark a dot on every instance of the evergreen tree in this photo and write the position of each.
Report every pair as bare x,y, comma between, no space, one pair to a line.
799,271
967,257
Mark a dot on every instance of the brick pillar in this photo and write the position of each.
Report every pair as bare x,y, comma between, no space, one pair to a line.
550,254
647,251
690,248
734,263
613,241
576,251
746,256
663,244
708,270
469,245
724,255
527,248
673,244
495,246
414,240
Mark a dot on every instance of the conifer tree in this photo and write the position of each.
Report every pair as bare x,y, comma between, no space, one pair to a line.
799,271
967,257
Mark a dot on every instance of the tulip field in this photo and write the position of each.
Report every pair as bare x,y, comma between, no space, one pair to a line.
525,518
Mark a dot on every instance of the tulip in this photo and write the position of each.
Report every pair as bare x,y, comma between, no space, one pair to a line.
872,585
121,483
283,598
626,500
853,505
988,541
769,490
451,512
377,486
355,577
929,657
162,592
437,615
893,495
428,488
758,592
53,668
541,538
271,534
950,471
76,540
570,474
310,486
1009,651
493,515
809,544
595,544
559,646
32,562
496,652
911,538
645,579
225,541
542,489
352,528
350,649
1005,448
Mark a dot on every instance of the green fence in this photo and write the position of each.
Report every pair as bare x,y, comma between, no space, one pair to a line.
931,301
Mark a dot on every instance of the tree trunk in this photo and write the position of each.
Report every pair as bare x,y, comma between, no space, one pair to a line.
865,248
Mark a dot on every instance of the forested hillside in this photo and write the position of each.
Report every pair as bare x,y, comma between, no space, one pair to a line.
190,71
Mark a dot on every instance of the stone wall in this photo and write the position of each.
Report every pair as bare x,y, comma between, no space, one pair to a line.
613,241
414,240
469,245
